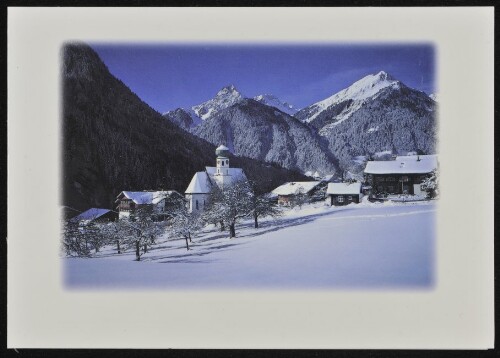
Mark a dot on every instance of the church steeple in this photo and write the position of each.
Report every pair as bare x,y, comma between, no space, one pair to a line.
222,161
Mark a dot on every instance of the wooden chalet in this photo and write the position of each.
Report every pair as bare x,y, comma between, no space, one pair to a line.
344,193
160,202
401,176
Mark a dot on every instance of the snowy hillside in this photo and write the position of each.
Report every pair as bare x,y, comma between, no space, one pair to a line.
365,246
376,114
257,131
273,101
184,118
225,98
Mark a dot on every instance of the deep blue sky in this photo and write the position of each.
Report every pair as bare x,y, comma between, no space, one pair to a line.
171,76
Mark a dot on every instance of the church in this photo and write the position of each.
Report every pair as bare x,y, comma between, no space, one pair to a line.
222,174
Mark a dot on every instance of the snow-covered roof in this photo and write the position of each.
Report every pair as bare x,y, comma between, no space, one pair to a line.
235,173
328,177
202,181
222,147
296,187
146,197
344,188
432,157
200,184
91,214
403,165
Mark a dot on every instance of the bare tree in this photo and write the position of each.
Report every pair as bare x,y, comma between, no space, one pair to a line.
114,233
185,224
229,204
81,237
299,198
262,206
74,241
140,230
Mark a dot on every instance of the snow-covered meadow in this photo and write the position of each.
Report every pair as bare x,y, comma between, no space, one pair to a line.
367,245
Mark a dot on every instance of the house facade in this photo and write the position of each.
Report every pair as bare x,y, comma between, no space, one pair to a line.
403,175
289,192
343,193
198,191
128,202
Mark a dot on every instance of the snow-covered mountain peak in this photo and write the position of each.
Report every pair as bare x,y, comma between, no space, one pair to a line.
228,90
367,87
382,75
273,101
434,97
225,98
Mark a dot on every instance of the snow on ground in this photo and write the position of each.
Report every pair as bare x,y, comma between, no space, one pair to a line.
359,246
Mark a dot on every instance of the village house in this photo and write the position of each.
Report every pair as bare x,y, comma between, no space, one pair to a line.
403,175
96,215
128,202
198,190
344,193
288,192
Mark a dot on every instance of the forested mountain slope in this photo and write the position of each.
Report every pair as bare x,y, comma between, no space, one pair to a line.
113,141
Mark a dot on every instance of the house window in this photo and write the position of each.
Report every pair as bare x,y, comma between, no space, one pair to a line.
227,162
340,199
197,208
222,163
404,178
349,197
390,179
380,179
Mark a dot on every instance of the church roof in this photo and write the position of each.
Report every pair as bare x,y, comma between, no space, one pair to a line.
222,147
202,181
235,173
200,184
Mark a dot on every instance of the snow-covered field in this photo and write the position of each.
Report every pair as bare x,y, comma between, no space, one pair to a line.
357,246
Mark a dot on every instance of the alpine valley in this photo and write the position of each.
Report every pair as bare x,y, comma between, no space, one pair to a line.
114,141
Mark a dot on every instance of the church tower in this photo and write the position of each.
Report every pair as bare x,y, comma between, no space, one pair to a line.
222,164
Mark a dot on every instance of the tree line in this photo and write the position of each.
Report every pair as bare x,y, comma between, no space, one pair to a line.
140,231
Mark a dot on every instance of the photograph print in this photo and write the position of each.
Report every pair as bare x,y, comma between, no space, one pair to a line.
249,166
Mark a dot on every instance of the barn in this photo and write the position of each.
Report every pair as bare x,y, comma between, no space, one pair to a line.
344,193
291,191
